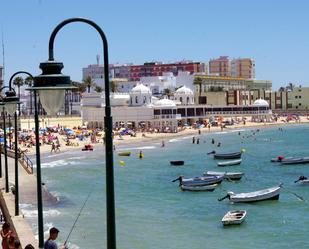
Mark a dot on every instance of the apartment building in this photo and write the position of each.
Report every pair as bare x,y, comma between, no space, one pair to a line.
243,68
220,66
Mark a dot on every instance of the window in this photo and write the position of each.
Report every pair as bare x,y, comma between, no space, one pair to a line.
299,97
296,97
188,100
136,99
144,99
299,104
180,99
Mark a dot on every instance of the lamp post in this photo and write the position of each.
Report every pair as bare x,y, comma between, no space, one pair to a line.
47,82
9,103
16,143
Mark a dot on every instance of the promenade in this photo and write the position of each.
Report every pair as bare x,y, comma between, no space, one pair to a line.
27,195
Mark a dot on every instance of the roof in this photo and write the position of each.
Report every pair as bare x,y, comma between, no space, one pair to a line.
184,90
140,88
260,102
165,102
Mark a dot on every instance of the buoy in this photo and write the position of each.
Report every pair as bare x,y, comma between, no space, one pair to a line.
242,150
141,155
121,163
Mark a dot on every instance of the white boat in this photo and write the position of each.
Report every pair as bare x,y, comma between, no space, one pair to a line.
229,163
227,175
200,187
234,217
260,195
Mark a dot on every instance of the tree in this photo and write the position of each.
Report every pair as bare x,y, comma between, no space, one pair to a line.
18,81
81,87
98,89
29,81
281,89
198,81
167,92
114,86
290,86
88,81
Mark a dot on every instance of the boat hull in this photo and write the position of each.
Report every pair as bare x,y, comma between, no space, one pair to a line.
303,160
235,176
202,181
209,188
261,195
230,163
234,217
177,163
124,153
234,155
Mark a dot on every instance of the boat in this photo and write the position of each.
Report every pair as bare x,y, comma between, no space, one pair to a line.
302,180
235,176
234,217
260,195
232,155
177,163
295,160
209,188
277,159
229,163
128,153
87,147
199,181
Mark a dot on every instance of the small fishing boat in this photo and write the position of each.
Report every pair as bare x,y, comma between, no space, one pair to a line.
177,163
232,155
229,163
125,153
234,217
302,180
235,176
277,159
87,147
260,195
295,160
199,181
209,188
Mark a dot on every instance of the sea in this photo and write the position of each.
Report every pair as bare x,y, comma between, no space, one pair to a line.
151,210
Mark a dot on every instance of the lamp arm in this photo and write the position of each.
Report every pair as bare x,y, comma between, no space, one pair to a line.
12,77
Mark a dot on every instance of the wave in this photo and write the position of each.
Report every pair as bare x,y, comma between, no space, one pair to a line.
58,163
174,140
34,213
139,148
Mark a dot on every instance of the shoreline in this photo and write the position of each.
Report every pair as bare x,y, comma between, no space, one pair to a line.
156,137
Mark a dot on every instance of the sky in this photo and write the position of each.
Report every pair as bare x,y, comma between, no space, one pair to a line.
274,33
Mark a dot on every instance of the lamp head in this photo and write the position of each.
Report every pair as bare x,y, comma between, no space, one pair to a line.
51,86
10,102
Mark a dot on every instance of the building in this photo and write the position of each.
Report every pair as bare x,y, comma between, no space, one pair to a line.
220,66
243,68
221,89
139,109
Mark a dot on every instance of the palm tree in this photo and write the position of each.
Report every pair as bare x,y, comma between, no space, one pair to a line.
114,86
198,81
80,87
28,81
98,89
282,89
290,86
88,81
18,81
167,92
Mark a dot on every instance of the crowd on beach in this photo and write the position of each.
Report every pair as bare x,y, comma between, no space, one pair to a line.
60,138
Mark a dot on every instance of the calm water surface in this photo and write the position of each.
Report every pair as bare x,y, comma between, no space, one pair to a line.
152,212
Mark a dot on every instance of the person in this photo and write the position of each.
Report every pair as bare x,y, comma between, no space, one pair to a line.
212,141
141,155
199,132
193,140
198,141
11,242
219,144
29,246
50,242
53,148
163,144
16,244
5,234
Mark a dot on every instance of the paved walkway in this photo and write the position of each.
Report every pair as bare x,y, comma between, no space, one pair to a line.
27,194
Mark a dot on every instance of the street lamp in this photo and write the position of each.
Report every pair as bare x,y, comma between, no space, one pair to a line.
12,106
9,105
51,85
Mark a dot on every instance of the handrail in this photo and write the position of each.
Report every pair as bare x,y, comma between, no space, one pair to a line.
22,158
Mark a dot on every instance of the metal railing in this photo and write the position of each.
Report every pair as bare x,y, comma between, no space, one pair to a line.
22,158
